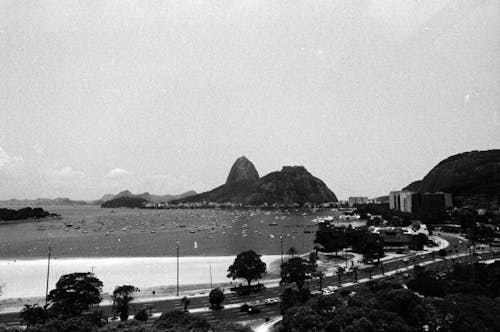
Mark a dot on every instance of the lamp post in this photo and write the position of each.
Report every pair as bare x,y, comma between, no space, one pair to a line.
281,243
210,266
378,254
177,248
48,274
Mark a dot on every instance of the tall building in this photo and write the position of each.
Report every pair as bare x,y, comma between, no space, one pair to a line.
394,203
357,200
411,202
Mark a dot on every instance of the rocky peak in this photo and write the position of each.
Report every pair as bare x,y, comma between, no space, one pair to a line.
242,171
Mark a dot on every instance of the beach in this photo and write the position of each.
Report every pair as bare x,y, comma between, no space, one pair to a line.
27,278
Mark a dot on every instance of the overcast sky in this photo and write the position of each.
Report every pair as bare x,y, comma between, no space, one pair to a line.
163,96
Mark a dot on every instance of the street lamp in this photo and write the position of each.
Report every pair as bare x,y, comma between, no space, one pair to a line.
177,248
378,254
49,249
281,242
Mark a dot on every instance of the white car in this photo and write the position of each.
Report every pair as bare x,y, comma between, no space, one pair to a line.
272,300
329,290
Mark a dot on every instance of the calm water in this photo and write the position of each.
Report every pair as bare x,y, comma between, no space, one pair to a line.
98,232
124,245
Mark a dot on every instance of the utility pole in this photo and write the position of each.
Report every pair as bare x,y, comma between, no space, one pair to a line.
48,274
177,247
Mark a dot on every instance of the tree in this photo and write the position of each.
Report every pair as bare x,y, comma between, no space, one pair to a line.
247,265
296,270
74,293
417,242
332,239
142,316
292,251
185,303
178,320
122,298
33,315
442,253
216,297
313,257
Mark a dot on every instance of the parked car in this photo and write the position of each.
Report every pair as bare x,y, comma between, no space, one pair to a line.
245,307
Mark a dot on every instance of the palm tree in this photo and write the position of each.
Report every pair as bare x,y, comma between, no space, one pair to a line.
185,302
122,296
340,270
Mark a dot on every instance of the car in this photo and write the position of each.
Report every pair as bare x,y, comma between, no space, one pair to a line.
326,291
253,311
245,307
271,301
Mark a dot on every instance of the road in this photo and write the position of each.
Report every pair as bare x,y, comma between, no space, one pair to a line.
199,304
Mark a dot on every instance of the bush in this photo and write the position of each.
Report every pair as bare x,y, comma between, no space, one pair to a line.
141,315
180,321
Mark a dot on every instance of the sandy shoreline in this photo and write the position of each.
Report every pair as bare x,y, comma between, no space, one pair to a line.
26,278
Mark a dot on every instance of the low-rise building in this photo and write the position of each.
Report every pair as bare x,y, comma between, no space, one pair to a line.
357,200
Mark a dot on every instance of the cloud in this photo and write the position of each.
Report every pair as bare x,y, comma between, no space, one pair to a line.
65,173
38,149
6,160
117,173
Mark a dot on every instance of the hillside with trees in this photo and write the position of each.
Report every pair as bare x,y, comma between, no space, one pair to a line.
472,177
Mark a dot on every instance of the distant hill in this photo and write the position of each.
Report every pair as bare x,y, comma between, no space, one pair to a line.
147,196
293,184
472,177
129,202
42,201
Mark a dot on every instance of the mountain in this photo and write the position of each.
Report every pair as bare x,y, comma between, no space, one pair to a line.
42,202
129,202
146,196
293,184
242,171
472,177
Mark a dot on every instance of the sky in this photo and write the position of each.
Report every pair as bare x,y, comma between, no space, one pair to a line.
163,96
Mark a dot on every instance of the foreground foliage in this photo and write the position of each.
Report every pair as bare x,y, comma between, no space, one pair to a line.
457,302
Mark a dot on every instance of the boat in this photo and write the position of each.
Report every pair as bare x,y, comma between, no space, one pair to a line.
273,224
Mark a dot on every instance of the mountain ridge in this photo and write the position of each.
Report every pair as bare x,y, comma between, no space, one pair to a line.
472,177
292,184
146,196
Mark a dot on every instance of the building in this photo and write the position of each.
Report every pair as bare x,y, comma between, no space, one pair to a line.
394,238
357,200
394,200
414,203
